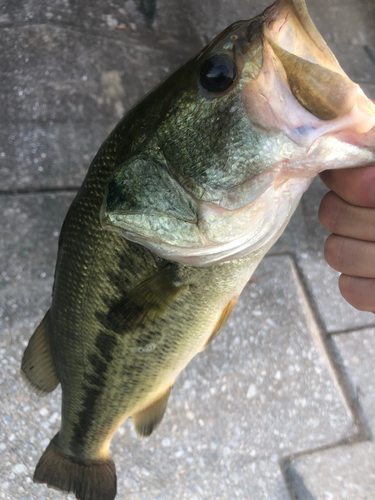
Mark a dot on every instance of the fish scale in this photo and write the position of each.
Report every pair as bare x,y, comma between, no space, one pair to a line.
179,206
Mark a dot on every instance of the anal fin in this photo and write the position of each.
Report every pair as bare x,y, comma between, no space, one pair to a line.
146,420
227,311
38,368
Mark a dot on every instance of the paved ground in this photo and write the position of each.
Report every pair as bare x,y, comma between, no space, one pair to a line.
281,405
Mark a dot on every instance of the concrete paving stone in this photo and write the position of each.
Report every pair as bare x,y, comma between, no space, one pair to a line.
28,247
63,91
201,18
338,20
345,472
53,73
370,52
206,18
346,26
342,473
305,238
259,392
48,155
133,14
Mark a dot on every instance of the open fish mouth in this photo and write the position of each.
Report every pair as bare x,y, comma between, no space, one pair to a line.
301,88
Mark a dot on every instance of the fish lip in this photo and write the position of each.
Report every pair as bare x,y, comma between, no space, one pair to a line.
300,11
277,19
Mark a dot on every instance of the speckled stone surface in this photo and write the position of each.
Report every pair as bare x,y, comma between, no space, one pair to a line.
358,354
261,392
63,91
28,248
345,472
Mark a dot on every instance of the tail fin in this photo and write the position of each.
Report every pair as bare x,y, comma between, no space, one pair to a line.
95,480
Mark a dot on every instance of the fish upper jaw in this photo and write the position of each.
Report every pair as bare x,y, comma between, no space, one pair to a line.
301,89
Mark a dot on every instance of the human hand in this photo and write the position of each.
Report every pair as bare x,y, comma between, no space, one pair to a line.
348,211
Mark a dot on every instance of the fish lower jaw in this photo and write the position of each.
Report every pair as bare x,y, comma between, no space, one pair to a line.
360,120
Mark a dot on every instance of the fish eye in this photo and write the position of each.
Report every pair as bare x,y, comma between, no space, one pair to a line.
218,73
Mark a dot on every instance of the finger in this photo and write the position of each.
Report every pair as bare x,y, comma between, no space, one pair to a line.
354,185
359,292
350,256
342,218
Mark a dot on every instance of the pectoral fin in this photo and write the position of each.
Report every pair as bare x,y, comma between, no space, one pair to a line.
227,311
146,420
145,303
38,367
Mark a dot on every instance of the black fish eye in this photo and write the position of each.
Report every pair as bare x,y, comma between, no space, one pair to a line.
218,73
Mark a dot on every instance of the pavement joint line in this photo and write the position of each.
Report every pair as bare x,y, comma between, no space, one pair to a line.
97,32
324,342
42,121
64,26
352,393
360,428
283,253
286,461
352,329
47,190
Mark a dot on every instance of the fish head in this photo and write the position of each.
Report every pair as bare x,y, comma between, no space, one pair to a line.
222,151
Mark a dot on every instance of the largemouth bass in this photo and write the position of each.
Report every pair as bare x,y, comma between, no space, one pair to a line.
179,206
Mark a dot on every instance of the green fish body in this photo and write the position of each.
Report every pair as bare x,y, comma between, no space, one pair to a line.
179,206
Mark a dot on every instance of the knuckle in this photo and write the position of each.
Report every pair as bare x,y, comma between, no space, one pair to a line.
349,291
360,187
333,251
366,187
358,292
329,211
